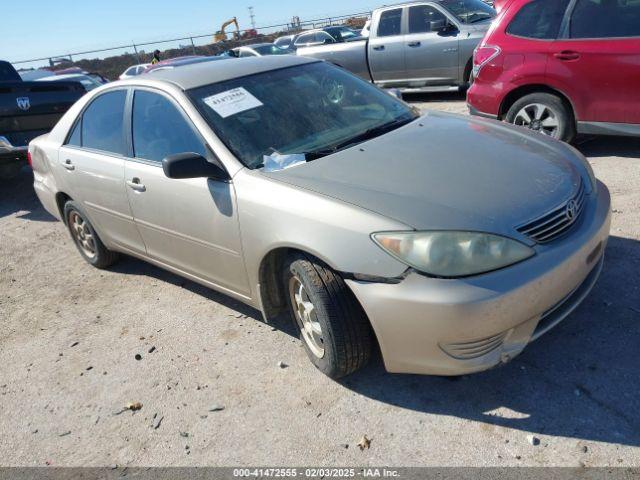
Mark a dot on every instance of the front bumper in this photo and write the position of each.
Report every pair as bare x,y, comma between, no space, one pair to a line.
452,327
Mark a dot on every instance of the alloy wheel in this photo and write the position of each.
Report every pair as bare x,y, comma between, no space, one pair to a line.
539,118
306,317
82,234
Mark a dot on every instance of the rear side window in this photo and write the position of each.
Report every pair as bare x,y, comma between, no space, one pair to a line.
605,19
422,17
540,19
102,123
308,38
390,23
75,139
160,129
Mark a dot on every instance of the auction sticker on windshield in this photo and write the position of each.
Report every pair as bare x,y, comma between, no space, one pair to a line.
232,102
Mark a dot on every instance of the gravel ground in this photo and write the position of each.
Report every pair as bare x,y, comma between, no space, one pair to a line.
78,345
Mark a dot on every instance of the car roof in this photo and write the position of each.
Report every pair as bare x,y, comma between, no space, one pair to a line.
201,74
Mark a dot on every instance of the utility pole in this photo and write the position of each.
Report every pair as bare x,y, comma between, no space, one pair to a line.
253,18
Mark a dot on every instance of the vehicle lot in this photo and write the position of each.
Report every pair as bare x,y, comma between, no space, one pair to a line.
71,335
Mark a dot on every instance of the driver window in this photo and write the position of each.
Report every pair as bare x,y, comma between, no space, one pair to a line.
160,129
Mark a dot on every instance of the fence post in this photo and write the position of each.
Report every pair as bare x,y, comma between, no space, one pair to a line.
193,45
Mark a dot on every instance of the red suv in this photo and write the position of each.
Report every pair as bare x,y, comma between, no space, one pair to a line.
561,67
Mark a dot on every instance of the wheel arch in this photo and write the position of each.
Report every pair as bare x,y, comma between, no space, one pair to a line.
514,95
61,199
272,294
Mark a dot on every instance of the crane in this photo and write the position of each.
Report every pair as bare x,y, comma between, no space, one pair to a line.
221,35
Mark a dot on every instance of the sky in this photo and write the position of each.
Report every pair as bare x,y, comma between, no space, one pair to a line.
43,28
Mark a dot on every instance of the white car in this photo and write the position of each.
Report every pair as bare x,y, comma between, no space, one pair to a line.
88,81
134,71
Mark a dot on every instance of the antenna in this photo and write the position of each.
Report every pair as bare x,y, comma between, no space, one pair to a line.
253,18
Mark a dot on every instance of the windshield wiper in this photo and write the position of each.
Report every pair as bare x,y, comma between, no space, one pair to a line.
361,137
373,133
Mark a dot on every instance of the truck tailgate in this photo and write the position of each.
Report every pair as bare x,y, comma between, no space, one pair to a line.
29,109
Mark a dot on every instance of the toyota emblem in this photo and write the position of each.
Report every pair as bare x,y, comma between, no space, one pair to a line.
572,210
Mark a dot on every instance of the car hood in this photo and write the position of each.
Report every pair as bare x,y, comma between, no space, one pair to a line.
446,171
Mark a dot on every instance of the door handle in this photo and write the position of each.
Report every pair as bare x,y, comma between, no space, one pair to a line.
68,165
415,44
567,55
136,185
379,48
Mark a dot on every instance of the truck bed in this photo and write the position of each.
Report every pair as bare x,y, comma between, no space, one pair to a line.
349,55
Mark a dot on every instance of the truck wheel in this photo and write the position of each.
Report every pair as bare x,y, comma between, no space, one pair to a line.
86,239
333,327
544,113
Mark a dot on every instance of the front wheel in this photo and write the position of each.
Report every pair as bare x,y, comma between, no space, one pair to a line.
543,113
333,327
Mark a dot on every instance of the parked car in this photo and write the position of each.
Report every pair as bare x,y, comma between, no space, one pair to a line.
182,61
134,70
449,241
27,110
258,50
284,42
34,74
582,78
325,36
89,82
415,46
342,33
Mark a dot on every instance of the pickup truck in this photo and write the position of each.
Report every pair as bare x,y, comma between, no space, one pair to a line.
28,110
417,46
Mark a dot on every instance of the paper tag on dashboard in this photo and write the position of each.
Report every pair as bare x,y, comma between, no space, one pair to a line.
232,102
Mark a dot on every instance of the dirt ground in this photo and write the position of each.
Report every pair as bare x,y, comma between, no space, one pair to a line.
71,335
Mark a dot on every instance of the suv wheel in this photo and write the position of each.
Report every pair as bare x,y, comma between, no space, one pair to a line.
86,239
543,113
333,327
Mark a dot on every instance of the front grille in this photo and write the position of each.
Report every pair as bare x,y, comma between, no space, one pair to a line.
558,222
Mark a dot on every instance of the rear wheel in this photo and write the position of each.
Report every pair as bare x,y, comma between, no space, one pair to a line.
333,327
86,239
543,113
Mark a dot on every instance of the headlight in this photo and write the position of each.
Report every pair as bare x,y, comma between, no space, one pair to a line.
453,254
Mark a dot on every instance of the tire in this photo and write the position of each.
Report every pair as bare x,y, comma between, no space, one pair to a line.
540,108
86,239
344,341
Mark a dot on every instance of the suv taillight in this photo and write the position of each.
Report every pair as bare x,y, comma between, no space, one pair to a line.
29,159
483,55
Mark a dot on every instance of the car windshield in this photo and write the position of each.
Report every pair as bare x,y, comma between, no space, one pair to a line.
469,11
270,50
314,109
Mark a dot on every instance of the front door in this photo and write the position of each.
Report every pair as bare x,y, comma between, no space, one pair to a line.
599,56
386,49
189,225
431,56
93,162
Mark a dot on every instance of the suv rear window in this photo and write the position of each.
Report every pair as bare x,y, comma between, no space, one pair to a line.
540,19
605,19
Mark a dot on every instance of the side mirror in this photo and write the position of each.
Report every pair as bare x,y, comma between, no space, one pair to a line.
328,41
437,25
192,165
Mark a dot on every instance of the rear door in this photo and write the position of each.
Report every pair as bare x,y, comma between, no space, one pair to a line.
190,225
387,48
431,56
93,162
598,54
